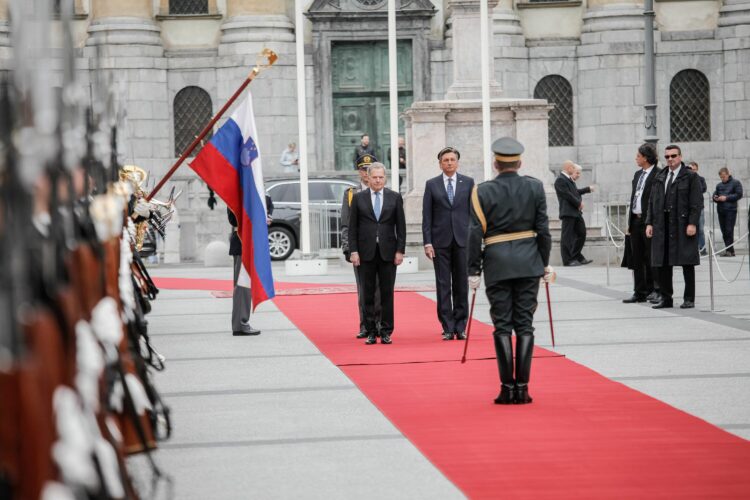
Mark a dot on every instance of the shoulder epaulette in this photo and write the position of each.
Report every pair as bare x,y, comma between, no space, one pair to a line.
350,195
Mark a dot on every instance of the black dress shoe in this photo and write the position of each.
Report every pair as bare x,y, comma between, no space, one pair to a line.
633,299
461,336
245,333
663,304
386,339
652,296
371,339
585,261
522,396
688,304
447,335
655,300
362,335
506,396
573,264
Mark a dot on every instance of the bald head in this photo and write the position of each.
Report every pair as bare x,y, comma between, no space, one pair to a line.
569,167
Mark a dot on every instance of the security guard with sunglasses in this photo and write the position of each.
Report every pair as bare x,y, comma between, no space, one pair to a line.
509,239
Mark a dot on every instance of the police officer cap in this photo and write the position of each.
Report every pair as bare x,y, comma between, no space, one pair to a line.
365,161
507,149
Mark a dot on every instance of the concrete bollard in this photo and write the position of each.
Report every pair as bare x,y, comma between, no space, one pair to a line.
216,254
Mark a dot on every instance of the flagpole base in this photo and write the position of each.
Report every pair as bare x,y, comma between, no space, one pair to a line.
306,266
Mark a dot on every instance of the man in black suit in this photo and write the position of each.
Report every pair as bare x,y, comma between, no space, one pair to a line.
377,241
509,240
644,282
672,224
571,215
445,223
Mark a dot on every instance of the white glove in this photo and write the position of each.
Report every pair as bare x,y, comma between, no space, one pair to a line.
474,282
142,208
549,275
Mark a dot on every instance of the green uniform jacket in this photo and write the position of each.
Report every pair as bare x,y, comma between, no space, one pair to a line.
510,203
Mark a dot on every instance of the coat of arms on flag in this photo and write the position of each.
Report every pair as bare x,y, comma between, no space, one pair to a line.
231,166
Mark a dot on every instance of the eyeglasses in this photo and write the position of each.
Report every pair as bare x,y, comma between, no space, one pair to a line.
670,156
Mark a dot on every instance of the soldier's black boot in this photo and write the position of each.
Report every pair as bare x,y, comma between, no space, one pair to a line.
504,352
524,353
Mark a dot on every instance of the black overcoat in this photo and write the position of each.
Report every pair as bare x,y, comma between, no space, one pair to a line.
684,202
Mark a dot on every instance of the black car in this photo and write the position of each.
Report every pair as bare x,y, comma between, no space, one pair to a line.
326,195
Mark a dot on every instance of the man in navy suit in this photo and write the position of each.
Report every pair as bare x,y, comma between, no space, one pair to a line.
445,224
377,241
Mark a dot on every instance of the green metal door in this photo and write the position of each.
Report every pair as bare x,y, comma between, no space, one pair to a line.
360,96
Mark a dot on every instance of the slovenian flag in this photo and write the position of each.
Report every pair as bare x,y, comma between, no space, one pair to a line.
230,165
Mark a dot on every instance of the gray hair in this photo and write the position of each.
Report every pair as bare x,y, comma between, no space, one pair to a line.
377,165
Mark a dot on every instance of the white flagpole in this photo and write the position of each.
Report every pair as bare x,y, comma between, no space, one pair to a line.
299,34
393,92
485,54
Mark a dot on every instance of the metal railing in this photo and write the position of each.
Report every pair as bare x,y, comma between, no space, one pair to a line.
325,228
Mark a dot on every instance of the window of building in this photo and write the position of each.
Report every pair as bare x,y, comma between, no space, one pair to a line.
188,6
689,107
557,91
192,111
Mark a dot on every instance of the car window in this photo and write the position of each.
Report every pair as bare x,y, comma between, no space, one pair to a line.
320,191
285,193
339,188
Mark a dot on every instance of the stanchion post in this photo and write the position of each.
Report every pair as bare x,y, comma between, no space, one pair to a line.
609,238
711,266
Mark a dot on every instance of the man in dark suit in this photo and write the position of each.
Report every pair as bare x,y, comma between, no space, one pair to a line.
571,215
377,241
672,224
509,239
445,222
645,286
241,300
363,164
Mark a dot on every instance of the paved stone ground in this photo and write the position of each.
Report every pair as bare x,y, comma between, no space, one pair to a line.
270,417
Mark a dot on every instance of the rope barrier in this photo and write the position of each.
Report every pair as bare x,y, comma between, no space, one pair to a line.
609,225
714,254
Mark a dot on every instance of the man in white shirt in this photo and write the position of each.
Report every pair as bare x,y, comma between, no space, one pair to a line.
644,281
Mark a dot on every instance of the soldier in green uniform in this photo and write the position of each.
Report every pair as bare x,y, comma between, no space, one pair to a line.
509,239
362,164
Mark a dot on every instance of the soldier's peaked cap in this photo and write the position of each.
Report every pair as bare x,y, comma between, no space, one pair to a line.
507,149
366,160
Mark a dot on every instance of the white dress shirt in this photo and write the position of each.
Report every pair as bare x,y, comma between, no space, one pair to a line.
637,209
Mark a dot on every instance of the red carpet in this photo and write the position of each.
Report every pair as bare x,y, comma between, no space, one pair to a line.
584,436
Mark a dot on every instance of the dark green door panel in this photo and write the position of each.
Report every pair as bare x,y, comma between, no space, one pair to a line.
360,96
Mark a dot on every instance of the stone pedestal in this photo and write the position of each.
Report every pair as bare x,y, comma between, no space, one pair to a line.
432,125
466,42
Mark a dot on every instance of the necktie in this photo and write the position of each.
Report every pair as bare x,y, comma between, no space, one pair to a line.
377,205
450,190
638,188
669,181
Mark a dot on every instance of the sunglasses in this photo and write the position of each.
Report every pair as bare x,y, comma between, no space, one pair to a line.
670,156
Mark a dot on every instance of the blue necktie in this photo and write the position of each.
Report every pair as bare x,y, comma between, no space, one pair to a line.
377,205
450,190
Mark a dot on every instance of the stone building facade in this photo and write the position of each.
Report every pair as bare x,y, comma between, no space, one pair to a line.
177,61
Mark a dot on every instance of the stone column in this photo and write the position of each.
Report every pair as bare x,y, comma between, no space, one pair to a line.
249,27
511,56
4,28
124,22
465,40
734,30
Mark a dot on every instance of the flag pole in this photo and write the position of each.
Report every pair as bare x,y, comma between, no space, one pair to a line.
266,54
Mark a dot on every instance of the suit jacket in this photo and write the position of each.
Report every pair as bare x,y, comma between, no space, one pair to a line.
645,196
684,203
510,203
569,196
442,222
366,232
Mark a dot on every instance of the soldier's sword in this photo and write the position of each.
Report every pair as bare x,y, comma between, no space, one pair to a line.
468,328
549,313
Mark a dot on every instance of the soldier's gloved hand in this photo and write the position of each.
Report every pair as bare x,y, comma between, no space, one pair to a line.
474,282
549,275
